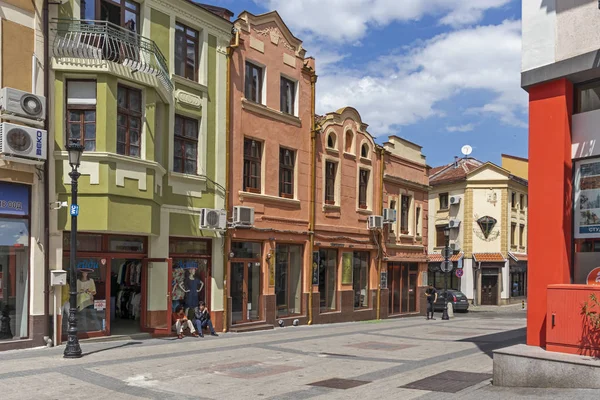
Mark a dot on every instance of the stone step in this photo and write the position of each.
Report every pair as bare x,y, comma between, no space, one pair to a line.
250,327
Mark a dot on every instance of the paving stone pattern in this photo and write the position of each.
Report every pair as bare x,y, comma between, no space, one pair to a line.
390,359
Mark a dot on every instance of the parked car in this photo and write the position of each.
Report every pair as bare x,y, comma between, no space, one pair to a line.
456,297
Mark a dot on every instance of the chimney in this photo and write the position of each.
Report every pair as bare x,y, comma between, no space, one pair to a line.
455,162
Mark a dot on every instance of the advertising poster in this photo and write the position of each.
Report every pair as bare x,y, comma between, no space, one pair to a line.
347,268
315,270
586,214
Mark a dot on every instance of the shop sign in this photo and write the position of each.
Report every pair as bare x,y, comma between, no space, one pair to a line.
347,268
87,264
187,264
99,305
384,279
271,263
14,199
315,268
593,277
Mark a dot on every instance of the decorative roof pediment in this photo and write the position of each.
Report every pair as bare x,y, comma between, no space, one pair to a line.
271,25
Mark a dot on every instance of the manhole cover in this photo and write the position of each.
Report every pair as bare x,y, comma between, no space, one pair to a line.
448,381
338,383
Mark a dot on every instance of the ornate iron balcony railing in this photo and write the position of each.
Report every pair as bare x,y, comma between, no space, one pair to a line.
103,40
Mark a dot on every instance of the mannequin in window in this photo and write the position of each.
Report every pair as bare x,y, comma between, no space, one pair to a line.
193,286
178,288
86,290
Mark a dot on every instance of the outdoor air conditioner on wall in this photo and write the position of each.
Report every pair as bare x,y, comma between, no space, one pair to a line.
213,219
453,223
243,216
23,141
375,222
22,104
454,200
389,215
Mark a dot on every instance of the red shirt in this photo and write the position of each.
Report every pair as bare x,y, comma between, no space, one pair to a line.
177,316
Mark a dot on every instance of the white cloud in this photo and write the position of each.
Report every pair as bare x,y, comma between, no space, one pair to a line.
405,87
349,20
461,128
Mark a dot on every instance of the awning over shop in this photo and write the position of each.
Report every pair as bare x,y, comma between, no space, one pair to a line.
518,257
488,257
437,258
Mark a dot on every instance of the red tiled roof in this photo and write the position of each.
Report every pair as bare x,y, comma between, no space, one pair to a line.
453,173
437,257
488,257
518,256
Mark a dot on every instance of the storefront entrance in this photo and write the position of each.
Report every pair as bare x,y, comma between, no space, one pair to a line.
489,290
402,286
245,282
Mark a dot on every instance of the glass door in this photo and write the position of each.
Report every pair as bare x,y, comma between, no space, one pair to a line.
156,295
245,291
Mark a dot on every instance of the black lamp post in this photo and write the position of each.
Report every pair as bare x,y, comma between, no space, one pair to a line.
445,316
73,350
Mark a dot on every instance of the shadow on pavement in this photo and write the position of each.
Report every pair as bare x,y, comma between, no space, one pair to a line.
488,343
111,348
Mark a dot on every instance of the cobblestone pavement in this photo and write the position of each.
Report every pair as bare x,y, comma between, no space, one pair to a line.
405,358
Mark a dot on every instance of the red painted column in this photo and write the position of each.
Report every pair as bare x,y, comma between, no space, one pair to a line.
550,208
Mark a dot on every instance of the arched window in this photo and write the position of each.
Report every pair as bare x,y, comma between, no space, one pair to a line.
364,151
349,140
331,140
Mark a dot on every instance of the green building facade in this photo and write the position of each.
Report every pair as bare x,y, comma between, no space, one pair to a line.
143,87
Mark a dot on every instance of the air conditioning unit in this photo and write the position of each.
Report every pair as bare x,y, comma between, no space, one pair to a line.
243,216
389,215
213,219
455,247
455,200
375,222
453,223
23,141
22,104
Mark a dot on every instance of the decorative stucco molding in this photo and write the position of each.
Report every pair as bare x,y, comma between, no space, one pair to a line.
275,34
188,98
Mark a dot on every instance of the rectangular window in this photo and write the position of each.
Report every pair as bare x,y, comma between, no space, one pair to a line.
522,235
522,201
513,235
328,279
253,83
81,113
125,13
418,221
185,147
286,173
440,237
330,172
186,52
360,274
587,97
252,165
392,207
443,201
129,121
363,184
404,211
513,200
288,280
287,95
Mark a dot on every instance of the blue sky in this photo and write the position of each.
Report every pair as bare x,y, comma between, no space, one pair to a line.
440,73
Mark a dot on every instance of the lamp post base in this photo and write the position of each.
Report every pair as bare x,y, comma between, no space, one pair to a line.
445,316
72,350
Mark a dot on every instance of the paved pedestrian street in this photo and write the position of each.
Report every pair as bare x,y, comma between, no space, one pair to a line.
405,358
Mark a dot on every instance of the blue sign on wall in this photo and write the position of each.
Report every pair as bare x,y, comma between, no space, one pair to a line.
14,199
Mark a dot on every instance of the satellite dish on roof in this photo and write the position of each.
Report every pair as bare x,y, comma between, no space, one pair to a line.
466,150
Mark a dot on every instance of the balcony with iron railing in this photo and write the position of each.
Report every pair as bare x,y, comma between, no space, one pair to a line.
105,41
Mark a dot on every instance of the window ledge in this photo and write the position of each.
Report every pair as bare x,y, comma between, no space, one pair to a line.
407,236
189,83
186,177
365,160
106,156
331,207
270,113
268,198
364,211
349,155
443,210
333,151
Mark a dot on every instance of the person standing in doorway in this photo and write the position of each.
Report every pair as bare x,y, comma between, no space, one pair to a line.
432,296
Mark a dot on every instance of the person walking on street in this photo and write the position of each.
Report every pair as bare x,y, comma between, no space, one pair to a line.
432,296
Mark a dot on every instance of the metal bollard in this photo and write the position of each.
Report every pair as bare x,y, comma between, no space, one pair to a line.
522,304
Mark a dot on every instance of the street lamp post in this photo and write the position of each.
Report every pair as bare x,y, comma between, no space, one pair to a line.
445,316
73,350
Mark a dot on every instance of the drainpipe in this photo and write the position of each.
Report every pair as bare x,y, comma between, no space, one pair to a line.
46,27
226,246
313,188
382,238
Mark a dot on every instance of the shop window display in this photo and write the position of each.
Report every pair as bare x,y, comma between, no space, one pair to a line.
189,285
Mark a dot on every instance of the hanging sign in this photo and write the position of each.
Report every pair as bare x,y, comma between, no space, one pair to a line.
74,210
271,263
384,279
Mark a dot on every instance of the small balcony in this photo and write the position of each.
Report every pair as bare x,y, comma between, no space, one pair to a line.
105,41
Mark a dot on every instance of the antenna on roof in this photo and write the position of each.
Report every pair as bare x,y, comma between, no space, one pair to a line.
466,150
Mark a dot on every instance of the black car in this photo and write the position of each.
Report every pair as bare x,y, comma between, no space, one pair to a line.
456,297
